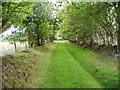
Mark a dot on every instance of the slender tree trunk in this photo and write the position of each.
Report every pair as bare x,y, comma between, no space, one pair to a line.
53,37
42,41
38,40
102,36
14,41
29,40
25,45
38,37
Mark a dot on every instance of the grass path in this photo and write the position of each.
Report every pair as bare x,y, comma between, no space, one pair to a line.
60,65
72,67
64,71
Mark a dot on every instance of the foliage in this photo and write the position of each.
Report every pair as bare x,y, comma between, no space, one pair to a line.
89,23
14,12
34,23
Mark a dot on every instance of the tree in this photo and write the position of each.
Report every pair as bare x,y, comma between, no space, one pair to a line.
40,24
14,12
90,23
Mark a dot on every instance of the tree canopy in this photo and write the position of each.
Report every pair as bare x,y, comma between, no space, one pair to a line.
86,23
90,23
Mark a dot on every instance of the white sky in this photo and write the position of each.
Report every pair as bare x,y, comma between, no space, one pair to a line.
8,31
54,1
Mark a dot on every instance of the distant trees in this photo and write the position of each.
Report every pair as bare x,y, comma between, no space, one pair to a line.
90,23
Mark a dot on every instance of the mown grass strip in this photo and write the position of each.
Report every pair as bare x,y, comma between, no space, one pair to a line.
105,70
65,72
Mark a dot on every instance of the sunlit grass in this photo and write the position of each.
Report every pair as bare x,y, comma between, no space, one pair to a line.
60,41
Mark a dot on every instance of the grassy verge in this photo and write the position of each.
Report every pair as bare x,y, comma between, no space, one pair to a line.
103,69
24,68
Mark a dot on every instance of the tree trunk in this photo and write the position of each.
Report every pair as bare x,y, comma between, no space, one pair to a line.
29,40
42,41
25,45
14,41
38,41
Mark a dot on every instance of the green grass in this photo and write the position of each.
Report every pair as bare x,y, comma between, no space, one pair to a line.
73,67
104,70
64,71
59,66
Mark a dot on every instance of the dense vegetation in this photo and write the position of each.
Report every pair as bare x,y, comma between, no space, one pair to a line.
88,24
